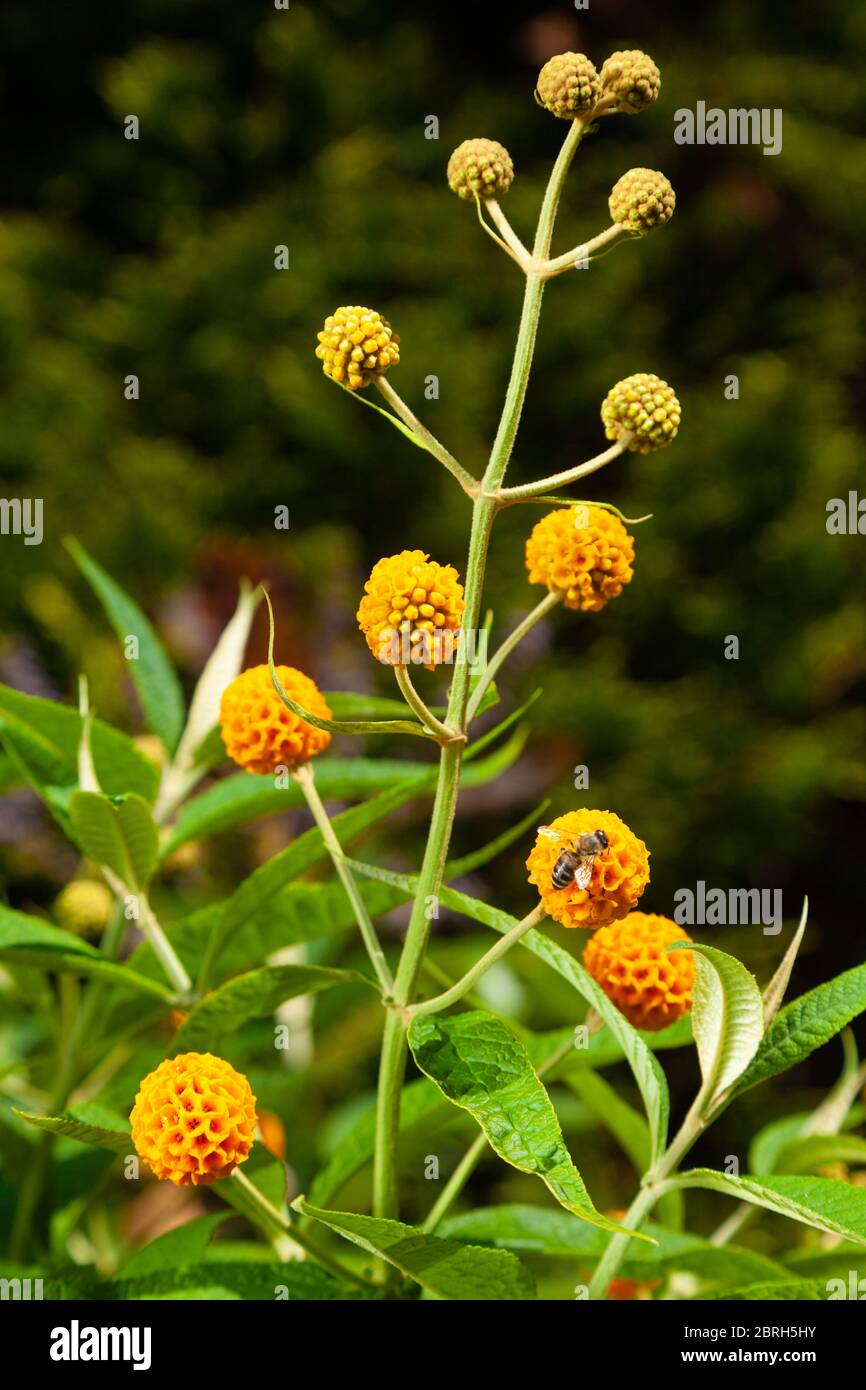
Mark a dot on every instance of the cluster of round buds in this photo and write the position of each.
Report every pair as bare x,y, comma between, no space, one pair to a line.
194,1119
259,732
480,169
588,867
642,412
411,610
630,81
583,553
356,346
642,199
84,907
568,85
650,984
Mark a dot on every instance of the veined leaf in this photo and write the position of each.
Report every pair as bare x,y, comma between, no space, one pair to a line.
481,1066
79,1124
254,995
828,1205
538,1231
727,1018
184,1245
152,673
442,1267
625,1124
119,835
634,1046
647,1072
46,736
794,1291
814,1150
804,1025
208,1280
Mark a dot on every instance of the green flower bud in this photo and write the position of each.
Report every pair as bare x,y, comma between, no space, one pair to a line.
632,79
642,199
568,85
643,408
480,168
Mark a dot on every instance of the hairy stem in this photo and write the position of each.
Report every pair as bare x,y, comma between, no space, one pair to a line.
430,442
547,604
569,475
418,707
394,1047
496,952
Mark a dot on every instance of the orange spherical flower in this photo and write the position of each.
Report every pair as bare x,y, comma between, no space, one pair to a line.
582,552
596,844
259,732
411,610
194,1119
649,984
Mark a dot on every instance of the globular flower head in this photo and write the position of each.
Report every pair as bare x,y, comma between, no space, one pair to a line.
619,873
642,411
84,907
356,346
582,552
568,85
194,1119
631,79
649,984
480,168
411,610
259,732
642,199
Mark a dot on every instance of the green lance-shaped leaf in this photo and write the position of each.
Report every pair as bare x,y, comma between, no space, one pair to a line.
795,1291
119,835
442,1267
836,1207
727,1018
481,1066
184,1246
804,1025
43,738
82,1123
152,673
547,1232
255,995
28,941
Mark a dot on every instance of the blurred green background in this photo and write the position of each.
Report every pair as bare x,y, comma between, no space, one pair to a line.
306,128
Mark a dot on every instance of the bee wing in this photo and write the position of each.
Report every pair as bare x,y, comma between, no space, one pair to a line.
549,832
583,873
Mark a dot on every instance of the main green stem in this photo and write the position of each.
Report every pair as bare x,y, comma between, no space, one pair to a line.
392,1064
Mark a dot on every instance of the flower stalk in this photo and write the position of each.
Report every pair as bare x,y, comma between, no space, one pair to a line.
304,778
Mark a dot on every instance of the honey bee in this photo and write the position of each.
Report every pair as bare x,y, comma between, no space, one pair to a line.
575,864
